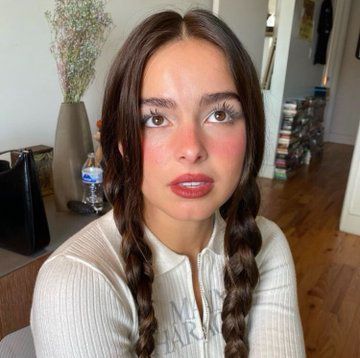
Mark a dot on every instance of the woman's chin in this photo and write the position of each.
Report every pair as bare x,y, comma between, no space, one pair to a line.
191,212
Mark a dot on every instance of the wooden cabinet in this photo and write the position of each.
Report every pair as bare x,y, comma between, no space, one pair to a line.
16,290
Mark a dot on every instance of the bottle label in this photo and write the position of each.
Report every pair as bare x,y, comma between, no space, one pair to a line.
92,175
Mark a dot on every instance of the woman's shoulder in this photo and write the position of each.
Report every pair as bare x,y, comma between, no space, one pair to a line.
269,229
274,319
95,247
275,249
80,288
99,236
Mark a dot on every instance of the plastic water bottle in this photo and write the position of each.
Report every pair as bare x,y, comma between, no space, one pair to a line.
92,178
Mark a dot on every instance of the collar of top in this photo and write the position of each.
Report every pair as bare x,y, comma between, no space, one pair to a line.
164,259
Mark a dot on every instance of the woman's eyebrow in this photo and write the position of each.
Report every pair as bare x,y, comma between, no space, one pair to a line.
206,99
219,96
158,102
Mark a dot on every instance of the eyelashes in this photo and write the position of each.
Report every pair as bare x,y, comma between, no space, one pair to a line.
152,113
228,109
231,114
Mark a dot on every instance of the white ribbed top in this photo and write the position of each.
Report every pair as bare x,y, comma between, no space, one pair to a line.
18,344
82,306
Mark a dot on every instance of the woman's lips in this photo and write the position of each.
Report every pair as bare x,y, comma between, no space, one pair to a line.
196,177
192,185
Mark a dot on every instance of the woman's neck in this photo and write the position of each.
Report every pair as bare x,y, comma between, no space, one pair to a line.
183,237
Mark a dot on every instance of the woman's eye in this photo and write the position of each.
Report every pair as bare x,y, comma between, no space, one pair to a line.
221,116
154,121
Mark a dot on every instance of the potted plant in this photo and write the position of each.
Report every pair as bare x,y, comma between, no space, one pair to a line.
79,29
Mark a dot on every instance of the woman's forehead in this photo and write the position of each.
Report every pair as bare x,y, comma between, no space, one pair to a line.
190,65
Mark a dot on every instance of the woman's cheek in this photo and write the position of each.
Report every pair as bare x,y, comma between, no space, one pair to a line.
153,152
231,147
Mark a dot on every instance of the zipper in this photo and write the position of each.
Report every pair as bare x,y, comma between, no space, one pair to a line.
203,300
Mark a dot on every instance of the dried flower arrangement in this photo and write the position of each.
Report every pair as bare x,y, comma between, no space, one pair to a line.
79,29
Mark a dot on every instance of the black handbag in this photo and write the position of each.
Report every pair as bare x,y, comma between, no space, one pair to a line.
23,223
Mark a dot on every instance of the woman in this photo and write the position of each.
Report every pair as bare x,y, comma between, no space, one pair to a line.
182,266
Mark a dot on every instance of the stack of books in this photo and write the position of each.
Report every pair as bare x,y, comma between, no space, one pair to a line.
291,148
301,134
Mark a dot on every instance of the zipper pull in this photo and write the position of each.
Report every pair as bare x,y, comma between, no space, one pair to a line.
204,332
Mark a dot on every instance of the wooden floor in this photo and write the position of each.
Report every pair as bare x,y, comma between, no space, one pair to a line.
307,207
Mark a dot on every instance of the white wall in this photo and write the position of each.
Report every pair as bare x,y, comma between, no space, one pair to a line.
345,117
30,94
248,21
302,75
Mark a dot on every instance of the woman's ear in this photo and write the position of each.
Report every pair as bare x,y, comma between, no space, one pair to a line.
121,149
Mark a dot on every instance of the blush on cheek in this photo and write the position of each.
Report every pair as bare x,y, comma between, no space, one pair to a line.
231,147
153,154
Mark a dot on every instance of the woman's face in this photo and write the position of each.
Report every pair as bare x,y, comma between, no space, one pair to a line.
193,124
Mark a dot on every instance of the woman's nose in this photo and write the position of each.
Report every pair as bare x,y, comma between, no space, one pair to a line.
190,143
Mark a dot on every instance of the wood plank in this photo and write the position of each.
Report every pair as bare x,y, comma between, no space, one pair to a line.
307,207
16,291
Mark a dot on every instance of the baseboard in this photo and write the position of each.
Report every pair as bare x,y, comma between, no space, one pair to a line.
267,171
350,224
340,138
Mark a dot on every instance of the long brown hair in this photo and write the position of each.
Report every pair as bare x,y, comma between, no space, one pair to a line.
123,174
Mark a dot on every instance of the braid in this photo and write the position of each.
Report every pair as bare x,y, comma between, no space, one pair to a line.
140,276
242,242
